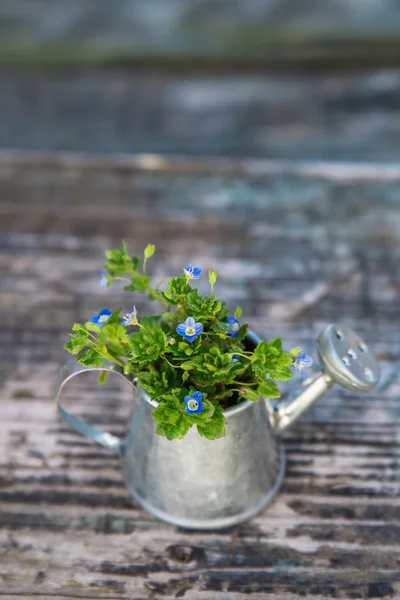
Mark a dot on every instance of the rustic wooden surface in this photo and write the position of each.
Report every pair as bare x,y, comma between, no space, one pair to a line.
297,245
346,117
306,34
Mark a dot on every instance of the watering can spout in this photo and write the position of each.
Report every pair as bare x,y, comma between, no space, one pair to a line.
345,359
288,411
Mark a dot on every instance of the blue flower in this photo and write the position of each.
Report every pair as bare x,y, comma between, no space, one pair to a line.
304,361
192,272
103,278
130,318
101,318
235,358
194,404
190,330
234,326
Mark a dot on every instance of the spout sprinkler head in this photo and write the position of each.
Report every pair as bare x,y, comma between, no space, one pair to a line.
346,358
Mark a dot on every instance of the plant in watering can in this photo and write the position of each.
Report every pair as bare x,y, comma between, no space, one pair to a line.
198,374
192,358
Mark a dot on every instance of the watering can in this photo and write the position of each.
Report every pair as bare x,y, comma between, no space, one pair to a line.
200,484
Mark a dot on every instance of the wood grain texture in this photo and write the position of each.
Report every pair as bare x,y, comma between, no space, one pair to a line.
224,33
342,117
297,246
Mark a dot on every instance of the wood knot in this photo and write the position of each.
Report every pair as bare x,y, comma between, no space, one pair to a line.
183,553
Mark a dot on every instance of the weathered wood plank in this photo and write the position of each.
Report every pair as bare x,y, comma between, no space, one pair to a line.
281,235
343,117
233,33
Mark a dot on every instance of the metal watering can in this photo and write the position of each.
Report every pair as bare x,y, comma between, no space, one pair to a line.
196,483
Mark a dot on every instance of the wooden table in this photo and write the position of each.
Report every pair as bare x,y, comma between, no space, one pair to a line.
297,246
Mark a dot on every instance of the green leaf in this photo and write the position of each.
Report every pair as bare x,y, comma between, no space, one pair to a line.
78,341
269,389
220,328
127,368
205,308
242,333
117,264
173,431
103,377
76,345
148,343
139,283
112,332
149,250
92,327
188,365
215,427
282,374
167,317
270,359
250,394
276,343
90,358
157,383
238,312
170,416
178,286
135,263
124,248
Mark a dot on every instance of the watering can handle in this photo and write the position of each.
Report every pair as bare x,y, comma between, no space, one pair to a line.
73,369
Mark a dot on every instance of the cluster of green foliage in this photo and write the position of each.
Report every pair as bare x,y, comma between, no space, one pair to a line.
170,368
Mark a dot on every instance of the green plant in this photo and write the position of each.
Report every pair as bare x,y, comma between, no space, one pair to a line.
191,357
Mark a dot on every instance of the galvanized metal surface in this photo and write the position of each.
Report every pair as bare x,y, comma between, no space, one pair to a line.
297,247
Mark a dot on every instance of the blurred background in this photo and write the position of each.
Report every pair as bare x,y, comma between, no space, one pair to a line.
259,138
268,78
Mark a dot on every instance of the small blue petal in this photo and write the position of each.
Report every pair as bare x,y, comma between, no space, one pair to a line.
234,326
235,359
198,328
197,396
101,318
181,329
192,272
194,403
304,361
190,322
196,411
190,338
103,278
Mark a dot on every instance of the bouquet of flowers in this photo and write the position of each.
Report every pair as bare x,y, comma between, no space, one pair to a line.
193,358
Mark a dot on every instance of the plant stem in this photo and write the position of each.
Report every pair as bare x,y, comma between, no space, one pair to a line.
240,354
170,364
106,354
161,300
